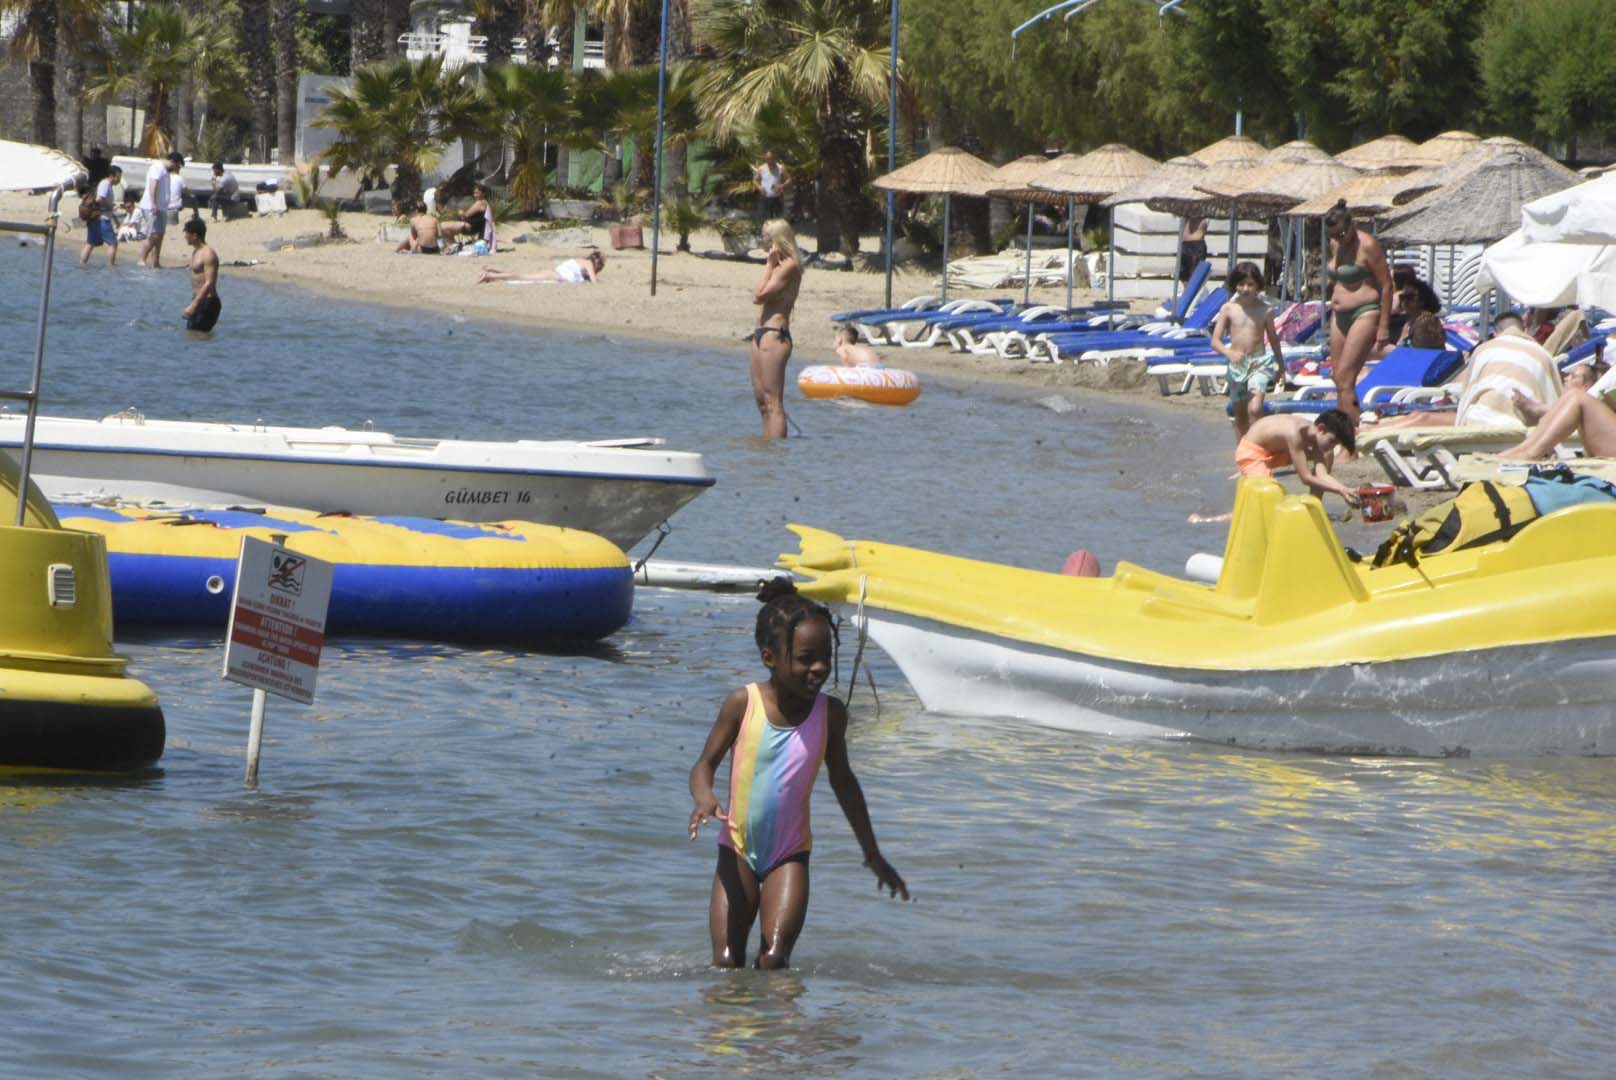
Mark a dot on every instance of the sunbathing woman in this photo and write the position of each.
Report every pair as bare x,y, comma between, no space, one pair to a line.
473,221
571,272
1579,412
1360,300
771,338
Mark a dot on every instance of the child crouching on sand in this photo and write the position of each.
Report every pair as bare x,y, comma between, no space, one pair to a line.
1247,320
776,733
1276,441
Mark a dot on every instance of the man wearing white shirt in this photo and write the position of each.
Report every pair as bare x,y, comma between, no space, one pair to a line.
156,198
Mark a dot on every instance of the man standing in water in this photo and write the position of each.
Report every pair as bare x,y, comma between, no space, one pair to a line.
771,338
154,200
203,311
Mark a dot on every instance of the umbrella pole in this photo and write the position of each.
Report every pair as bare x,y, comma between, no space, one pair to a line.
1234,243
1111,263
1178,262
1070,207
1430,264
1324,272
1026,282
1284,260
948,203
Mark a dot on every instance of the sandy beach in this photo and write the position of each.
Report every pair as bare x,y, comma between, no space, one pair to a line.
701,298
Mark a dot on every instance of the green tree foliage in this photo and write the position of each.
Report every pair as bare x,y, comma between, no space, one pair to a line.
402,113
529,105
1549,67
831,54
164,47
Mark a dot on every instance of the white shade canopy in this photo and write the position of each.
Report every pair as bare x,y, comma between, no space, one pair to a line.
24,167
1551,274
1585,214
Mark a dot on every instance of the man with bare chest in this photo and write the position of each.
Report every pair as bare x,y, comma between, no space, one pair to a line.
203,310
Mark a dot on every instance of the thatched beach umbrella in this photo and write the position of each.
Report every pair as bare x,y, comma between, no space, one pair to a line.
1160,189
946,172
1090,178
1449,145
1230,148
1230,186
1364,193
1408,188
1482,205
1389,152
1014,181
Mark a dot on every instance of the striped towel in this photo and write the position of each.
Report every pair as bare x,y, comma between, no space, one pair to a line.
1498,367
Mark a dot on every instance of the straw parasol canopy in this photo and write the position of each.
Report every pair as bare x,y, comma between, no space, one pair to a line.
1364,194
1296,184
1096,175
1389,152
1482,205
1172,179
1014,180
949,171
1449,145
1414,185
1231,148
1247,187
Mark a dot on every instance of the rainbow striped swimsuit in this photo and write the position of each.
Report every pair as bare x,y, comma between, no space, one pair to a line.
771,778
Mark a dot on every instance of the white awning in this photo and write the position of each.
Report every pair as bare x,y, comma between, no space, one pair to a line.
1551,274
1585,214
34,168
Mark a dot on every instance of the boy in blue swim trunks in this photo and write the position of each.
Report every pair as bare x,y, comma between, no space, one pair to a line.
1252,370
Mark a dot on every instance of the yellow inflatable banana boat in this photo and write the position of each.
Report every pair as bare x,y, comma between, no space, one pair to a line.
1508,647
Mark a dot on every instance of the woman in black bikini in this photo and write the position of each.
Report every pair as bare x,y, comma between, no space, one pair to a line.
771,338
473,221
1360,303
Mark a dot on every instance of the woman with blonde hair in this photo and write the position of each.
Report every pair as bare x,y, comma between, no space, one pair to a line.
771,337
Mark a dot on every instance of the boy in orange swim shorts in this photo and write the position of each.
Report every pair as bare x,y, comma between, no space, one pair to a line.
1274,442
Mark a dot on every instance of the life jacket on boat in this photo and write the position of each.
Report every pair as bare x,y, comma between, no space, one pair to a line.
1481,513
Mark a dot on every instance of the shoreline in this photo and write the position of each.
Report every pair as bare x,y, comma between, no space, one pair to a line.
696,296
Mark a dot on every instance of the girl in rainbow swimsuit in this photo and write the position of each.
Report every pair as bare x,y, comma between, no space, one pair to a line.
776,734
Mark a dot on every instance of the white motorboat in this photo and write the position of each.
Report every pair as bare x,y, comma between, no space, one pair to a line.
619,488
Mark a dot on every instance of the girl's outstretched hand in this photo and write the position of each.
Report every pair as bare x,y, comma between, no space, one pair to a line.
885,877
702,812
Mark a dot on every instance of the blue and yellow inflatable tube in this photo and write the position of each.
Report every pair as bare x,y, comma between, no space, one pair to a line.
513,582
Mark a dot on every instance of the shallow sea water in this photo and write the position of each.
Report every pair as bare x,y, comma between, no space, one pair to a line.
471,862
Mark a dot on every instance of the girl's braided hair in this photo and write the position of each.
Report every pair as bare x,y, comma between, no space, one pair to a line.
783,608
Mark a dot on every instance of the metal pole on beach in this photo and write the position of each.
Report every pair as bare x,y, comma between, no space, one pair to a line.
1026,281
1111,263
892,143
656,192
948,204
255,725
25,459
1070,209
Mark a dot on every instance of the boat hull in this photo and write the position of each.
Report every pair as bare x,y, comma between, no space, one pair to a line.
621,492
1529,699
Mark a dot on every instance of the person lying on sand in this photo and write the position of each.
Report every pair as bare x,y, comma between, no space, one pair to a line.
570,272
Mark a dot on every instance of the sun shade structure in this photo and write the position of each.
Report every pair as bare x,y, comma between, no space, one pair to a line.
1482,205
1231,148
947,172
1091,178
1407,189
1449,145
1389,152
1364,193
24,167
1014,181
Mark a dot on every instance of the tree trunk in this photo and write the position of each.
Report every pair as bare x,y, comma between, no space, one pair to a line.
259,56
70,97
841,165
185,106
564,60
368,36
643,35
501,30
532,27
395,22
42,73
283,30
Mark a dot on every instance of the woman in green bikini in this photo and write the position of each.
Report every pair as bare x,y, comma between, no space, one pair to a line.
1360,302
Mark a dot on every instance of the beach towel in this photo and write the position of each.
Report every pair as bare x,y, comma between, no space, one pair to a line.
1497,368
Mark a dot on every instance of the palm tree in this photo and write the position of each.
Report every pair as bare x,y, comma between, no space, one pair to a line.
401,113
498,20
368,26
33,42
259,53
528,106
634,92
832,53
78,24
162,48
283,34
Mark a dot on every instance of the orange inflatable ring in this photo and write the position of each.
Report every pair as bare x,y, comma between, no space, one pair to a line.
877,385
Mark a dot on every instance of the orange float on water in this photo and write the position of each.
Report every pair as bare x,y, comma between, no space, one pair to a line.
877,385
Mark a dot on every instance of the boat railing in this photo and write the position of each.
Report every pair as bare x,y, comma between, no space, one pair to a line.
30,396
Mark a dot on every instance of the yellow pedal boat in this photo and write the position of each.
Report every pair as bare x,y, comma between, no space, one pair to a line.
1504,648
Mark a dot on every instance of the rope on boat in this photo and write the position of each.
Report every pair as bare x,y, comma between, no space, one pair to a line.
663,529
863,625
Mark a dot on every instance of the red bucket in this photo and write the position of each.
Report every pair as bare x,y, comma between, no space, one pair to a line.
1375,500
